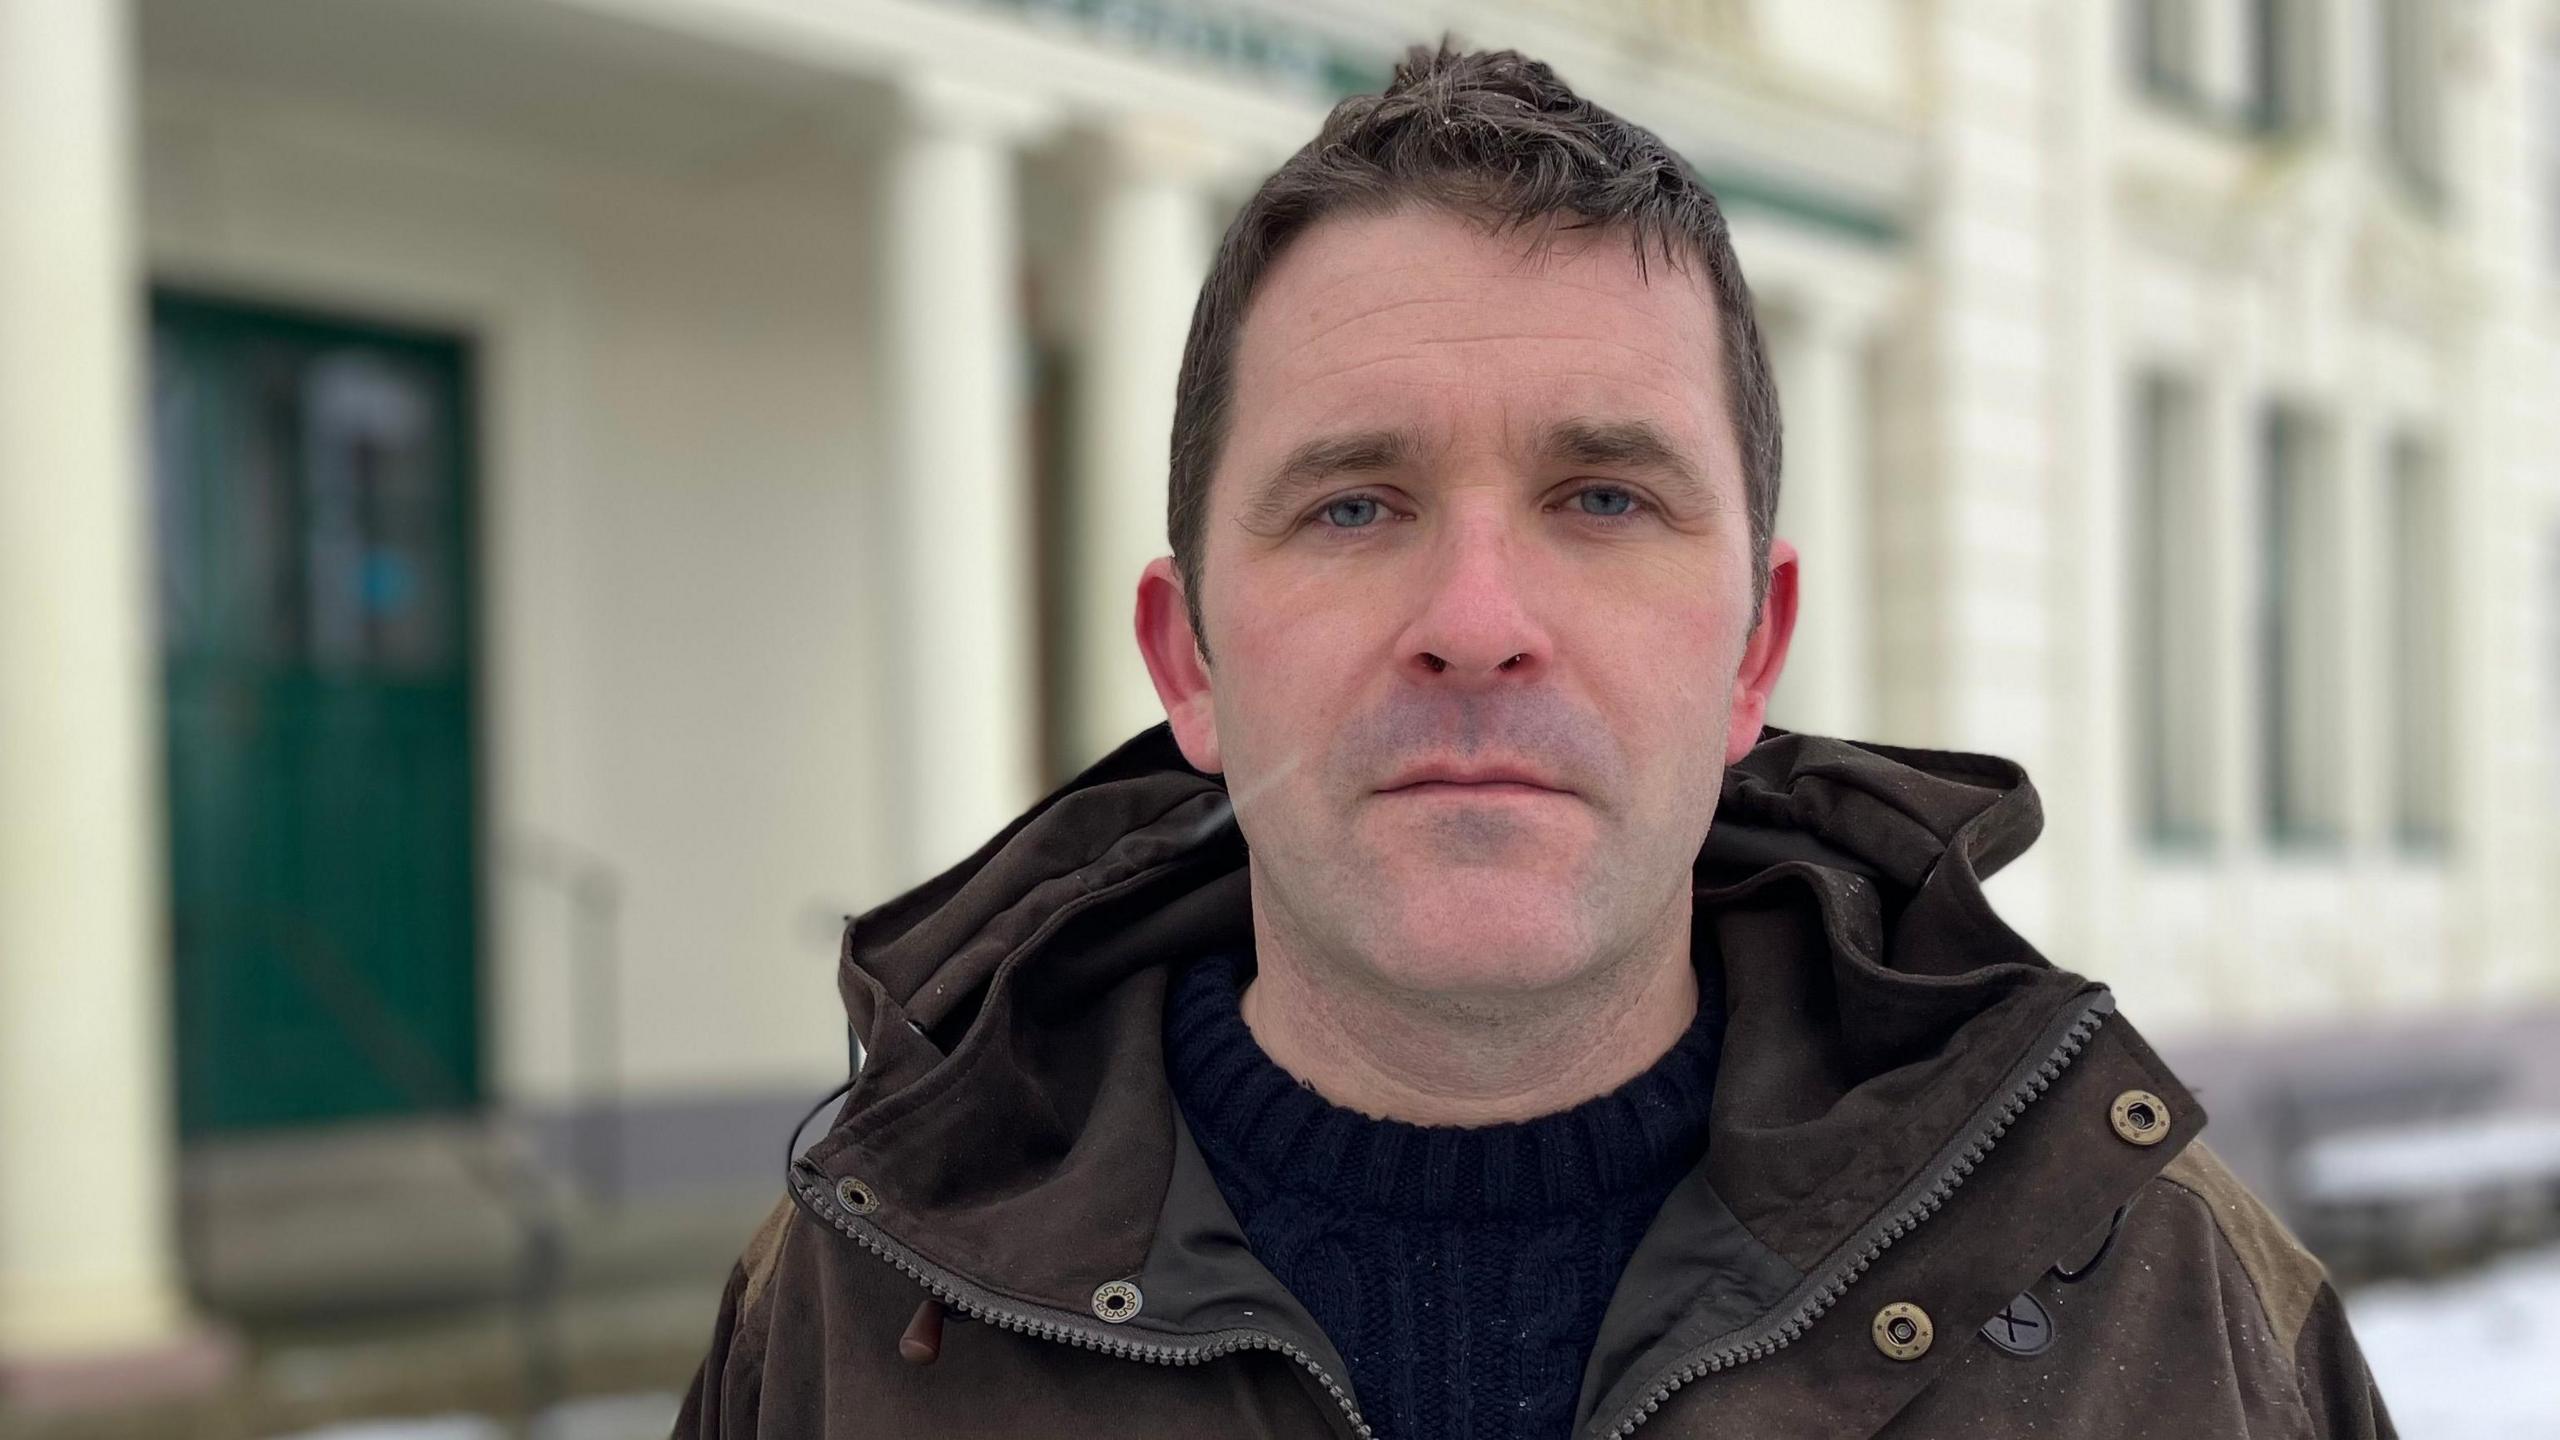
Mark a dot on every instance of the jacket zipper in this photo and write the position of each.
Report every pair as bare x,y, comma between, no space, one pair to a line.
980,1304
2063,1043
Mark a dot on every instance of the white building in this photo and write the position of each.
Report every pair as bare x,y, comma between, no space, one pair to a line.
682,467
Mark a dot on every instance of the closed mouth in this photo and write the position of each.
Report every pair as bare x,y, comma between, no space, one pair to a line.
1473,787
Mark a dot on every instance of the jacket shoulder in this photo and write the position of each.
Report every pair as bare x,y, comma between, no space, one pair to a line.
762,1254
2287,1277
725,1397
2305,1312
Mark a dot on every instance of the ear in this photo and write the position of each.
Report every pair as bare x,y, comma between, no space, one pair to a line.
1765,655
1176,666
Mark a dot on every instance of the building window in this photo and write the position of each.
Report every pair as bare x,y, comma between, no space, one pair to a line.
2165,47
2298,639
2408,85
2419,682
2285,45
2168,611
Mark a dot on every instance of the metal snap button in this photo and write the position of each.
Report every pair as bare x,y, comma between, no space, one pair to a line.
2140,1118
1117,1300
1902,1330
855,1196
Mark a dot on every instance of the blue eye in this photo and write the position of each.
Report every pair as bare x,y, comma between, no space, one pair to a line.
1632,508
1631,500
1369,500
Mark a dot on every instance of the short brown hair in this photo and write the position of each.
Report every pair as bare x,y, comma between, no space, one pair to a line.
1491,136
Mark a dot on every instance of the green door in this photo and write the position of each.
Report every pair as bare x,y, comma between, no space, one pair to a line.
312,487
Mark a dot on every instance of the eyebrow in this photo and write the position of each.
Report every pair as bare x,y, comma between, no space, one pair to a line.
1628,444
1312,463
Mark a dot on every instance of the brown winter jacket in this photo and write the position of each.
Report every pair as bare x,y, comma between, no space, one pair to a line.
1947,1190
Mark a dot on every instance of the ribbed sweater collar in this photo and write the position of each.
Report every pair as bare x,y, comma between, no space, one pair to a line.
1249,1113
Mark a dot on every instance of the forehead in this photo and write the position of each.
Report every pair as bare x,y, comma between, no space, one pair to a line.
1421,321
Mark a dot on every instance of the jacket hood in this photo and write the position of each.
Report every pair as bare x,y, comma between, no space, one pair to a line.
1918,1122
1875,999
1875,815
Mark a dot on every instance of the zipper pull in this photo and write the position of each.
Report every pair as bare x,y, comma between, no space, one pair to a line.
922,1342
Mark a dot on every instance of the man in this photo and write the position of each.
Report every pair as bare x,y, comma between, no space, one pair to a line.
1389,1045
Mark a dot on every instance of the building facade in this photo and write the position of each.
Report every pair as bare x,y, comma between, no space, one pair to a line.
514,518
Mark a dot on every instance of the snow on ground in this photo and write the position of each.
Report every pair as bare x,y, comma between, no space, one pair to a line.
2474,1356
2412,1162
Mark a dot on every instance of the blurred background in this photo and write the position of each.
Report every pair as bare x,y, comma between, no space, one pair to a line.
517,515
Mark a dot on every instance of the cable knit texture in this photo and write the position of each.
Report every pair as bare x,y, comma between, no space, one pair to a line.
1461,1270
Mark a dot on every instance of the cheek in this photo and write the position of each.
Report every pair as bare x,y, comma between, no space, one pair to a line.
1674,680
1295,634
1287,674
1681,642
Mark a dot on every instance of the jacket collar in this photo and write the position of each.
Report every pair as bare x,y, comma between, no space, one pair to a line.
1013,1125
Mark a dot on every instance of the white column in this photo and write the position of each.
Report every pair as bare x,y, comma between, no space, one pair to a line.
1992,373
2088,822
960,551
88,1269
2501,472
1147,249
1822,507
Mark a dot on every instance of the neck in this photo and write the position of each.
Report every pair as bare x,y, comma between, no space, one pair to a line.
1429,1058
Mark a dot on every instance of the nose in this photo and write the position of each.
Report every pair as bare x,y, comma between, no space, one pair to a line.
1477,622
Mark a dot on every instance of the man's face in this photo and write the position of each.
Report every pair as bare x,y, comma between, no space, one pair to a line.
1484,514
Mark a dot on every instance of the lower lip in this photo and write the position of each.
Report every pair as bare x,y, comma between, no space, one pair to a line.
1488,790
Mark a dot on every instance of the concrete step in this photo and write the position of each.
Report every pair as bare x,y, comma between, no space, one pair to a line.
424,1214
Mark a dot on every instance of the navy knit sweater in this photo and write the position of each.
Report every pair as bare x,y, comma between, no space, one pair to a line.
1461,1271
